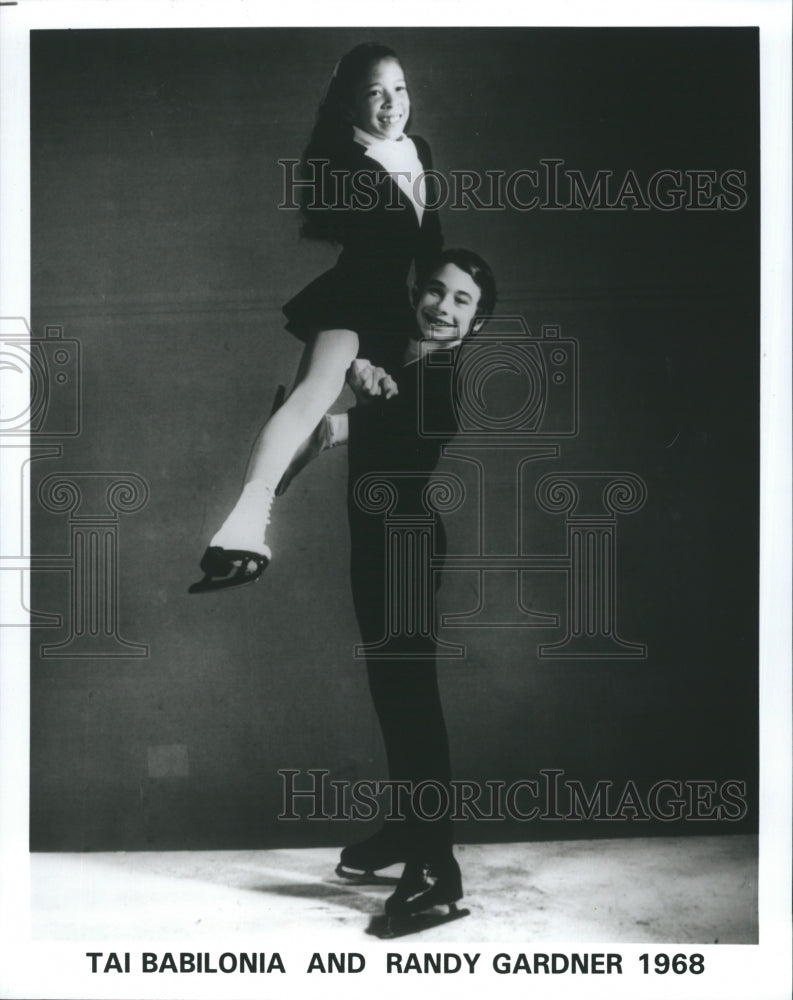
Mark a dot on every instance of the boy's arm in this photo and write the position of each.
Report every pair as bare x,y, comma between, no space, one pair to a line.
369,382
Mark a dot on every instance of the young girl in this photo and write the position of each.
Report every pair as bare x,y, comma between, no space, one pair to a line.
367,194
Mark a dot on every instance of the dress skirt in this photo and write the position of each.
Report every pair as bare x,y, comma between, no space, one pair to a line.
374,305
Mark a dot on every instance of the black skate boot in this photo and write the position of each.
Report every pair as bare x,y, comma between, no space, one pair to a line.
359,862
422,888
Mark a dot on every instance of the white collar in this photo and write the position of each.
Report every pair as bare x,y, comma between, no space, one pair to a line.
401,159
367,140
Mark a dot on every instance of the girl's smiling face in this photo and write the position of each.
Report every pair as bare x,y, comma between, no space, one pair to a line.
381,104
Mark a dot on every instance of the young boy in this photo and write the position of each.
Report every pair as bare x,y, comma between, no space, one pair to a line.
385,437
460,290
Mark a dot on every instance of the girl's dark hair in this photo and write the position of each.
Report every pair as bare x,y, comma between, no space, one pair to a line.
477,268
332,132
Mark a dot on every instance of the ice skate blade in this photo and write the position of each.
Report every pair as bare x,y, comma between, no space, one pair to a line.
225,568
364,878
395,927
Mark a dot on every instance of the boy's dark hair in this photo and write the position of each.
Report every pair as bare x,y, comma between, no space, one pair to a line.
473,265
332,134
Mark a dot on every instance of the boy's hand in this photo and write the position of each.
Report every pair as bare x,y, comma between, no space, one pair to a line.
368,381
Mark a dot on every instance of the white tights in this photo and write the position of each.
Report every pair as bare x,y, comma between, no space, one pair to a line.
320,380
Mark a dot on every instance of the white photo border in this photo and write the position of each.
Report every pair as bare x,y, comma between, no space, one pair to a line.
35,968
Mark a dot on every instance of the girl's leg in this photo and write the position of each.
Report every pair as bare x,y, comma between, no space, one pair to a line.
332,430
320,380
323,368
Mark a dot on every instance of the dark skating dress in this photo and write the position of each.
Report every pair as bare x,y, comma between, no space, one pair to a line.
381,238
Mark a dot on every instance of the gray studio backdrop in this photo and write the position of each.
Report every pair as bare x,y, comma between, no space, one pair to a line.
161,260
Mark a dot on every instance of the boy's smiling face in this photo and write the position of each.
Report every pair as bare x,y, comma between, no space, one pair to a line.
446,306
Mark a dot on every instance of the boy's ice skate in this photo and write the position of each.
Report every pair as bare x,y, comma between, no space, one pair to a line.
417,902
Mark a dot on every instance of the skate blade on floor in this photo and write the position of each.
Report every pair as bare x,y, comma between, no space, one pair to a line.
389,927
364,878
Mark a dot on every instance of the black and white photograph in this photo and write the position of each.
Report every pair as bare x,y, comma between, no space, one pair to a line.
396,467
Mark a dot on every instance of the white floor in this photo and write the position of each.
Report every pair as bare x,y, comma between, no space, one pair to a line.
683,889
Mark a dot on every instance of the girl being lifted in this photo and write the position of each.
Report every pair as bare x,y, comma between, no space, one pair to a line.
357,309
